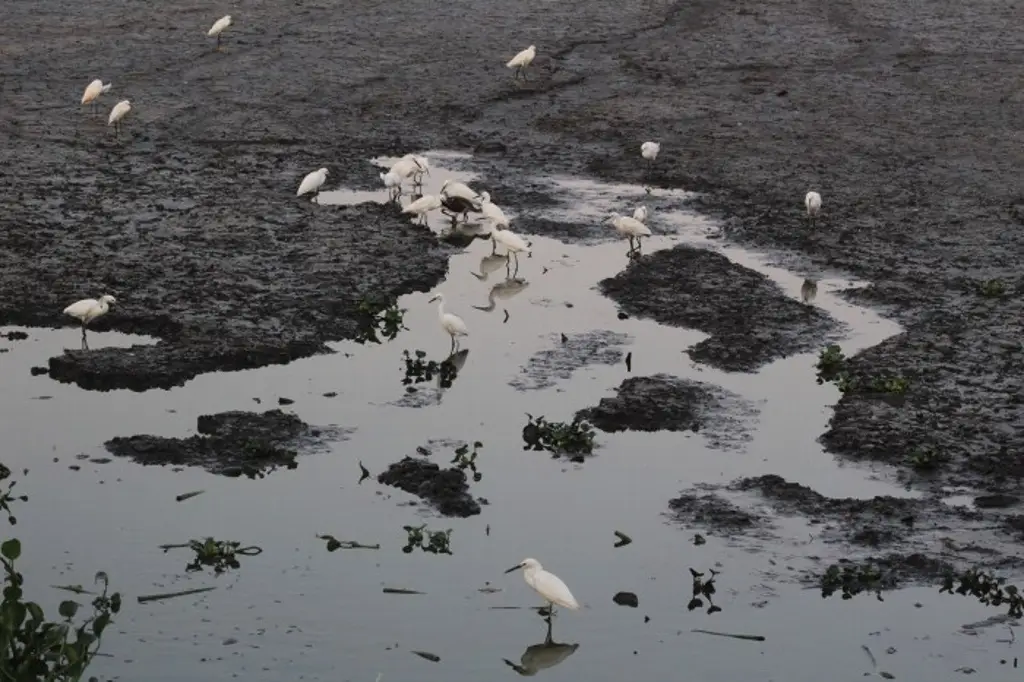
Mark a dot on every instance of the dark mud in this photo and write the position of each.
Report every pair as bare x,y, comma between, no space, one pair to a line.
232,444
447,490
750,320
667,403
570,352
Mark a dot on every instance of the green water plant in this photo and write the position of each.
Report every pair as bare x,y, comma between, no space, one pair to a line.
987,589
703,590
429,541
378,319
831,363
466,459
418,369
575,438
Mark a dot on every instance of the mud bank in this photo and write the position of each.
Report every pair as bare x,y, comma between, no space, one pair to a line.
750,320
232,444
446,490
666,403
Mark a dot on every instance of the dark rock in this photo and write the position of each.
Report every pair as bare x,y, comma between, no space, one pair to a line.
37,371
445,489
626,599
231,443
285,401
750,320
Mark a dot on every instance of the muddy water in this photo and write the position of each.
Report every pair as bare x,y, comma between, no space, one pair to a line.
299,612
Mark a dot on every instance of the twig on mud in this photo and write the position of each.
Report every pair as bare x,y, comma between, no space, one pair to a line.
187,496
874,663
334,543
171,595
749,638
623,538
400,590
175,546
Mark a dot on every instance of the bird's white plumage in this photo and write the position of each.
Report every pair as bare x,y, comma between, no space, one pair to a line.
450,322
523,59
649,150
119,111
88,309
629,227
454,188
813,203
425,204
219,25
492,211
391,179
312,182
510,240
94,90
640,213
548,585
422,164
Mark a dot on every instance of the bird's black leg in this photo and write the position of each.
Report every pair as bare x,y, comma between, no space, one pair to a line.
524,75
547,639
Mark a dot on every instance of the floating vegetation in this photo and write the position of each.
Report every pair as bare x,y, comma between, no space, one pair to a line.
703,590
987,589
334,543
430,541
623,539
831,363
7,495
145,598
419,370
219,555
377,319
851,580
575,438
466,459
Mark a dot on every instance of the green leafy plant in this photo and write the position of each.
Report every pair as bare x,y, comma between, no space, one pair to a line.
419,370
831,363
851,580
378,319
893,385
465,459
430,541
703,590
219,555
992,288
575,438
987,589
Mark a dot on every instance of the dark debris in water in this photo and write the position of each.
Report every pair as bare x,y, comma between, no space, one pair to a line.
231,443
446,490
750,320
667,403
570,353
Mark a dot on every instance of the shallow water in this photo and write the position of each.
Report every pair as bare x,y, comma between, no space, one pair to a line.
298,611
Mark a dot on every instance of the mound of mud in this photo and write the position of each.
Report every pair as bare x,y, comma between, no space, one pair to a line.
667,403
750,320
570,353
445,489
231,443
711,511
231,291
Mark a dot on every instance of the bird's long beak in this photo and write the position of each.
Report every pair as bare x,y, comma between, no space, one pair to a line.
514,568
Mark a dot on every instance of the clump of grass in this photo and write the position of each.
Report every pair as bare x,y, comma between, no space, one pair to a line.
575,438
703,590
992,288
419,370
430,541
893,385
987,589
851,580
466,459
831,363
926,459
378,319
833,366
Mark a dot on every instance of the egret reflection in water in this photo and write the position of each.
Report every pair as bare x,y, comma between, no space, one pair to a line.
537,657
505,290
808,290
490,263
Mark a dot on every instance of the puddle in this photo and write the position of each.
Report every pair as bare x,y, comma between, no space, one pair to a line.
301,611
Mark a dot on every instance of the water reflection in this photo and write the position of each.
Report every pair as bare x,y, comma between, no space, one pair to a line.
489,263
512,286
537,657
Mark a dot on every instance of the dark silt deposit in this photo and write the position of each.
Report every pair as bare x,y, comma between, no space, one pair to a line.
750,320
667,403
447,490
232,443
570,352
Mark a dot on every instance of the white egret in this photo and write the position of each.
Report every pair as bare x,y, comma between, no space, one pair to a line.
450,322
312,183
629,227
521,61
93,91
422,166
547,585
393,182
218,28
88,309
513,243
492,211
412,167
640,213
813,203
422,206
457,198
119,111
649,150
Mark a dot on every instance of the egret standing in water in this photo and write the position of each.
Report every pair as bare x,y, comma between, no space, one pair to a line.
312,183
458,199
450,322
521,61
629,227
547,585
393,182
88,309
119,111
513,243
93,92
412,167
813,203
218,28
422,206
492,211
